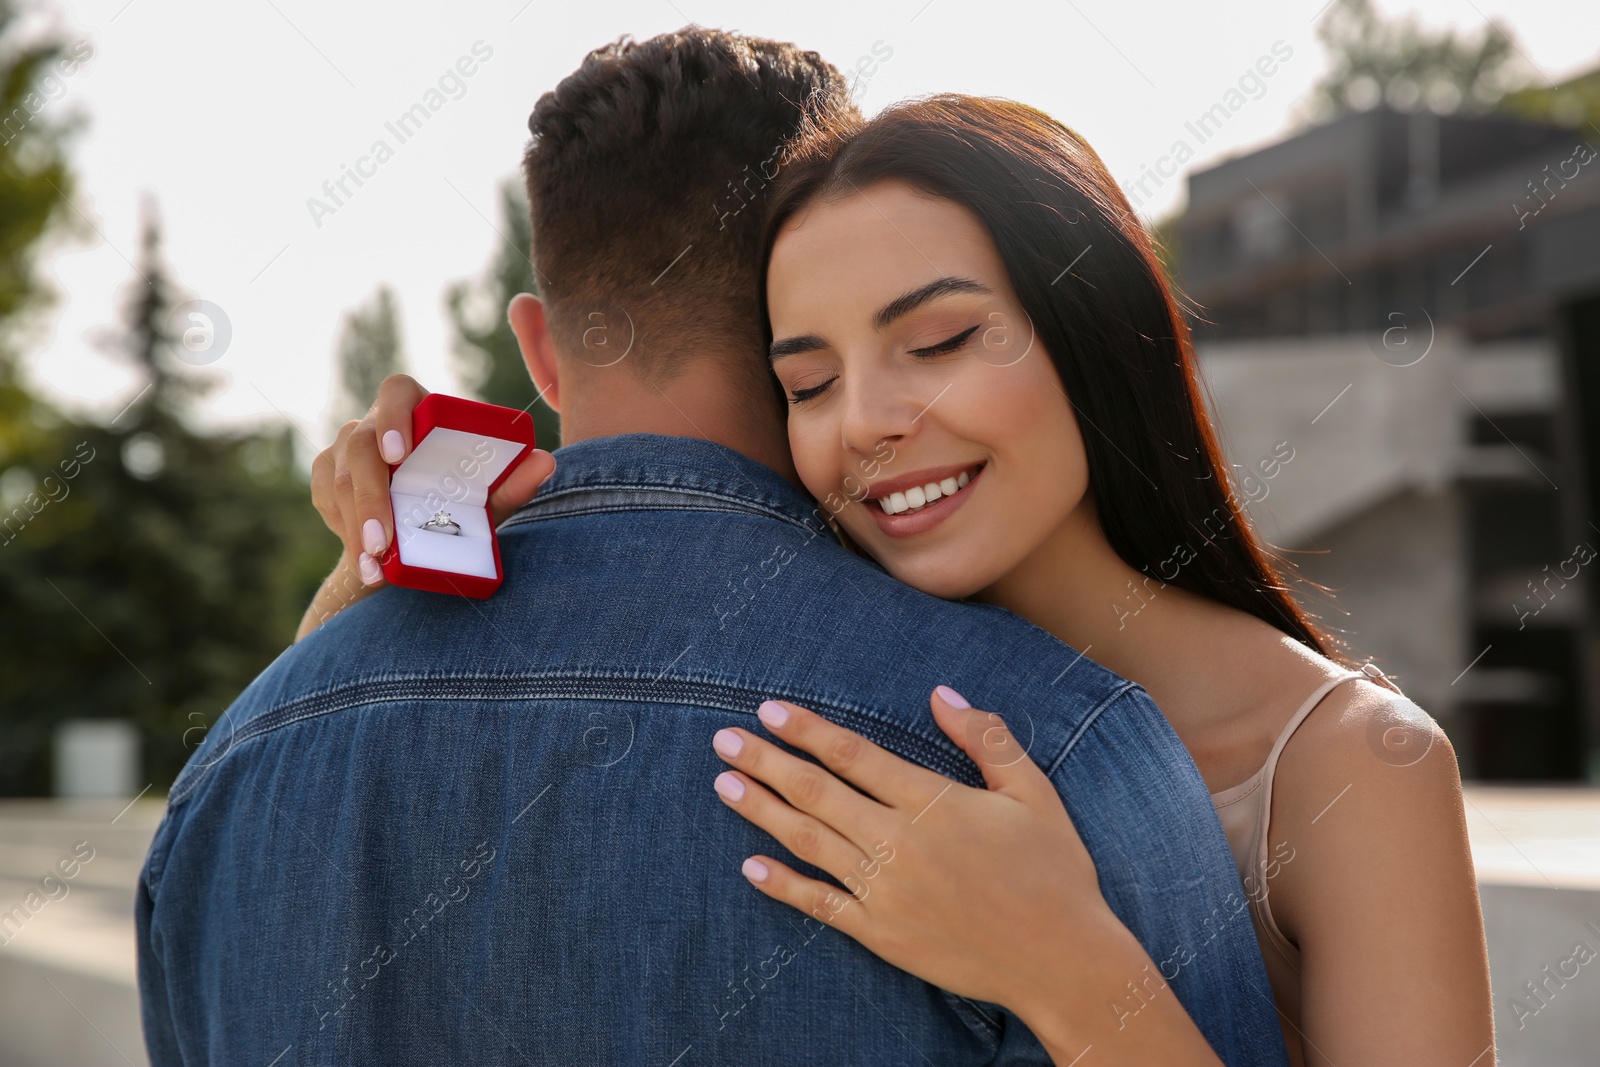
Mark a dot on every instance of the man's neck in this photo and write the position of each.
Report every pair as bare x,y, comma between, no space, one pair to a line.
700,402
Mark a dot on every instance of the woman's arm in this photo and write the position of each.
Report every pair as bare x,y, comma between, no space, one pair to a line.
350,489
1380,896
341,588
983,892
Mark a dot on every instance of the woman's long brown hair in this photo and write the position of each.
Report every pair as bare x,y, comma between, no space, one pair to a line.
1110,323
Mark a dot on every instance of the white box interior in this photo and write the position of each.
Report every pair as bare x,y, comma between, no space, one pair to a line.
451,471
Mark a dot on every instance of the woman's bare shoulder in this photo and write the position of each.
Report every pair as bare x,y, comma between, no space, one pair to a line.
1365,731
1368,797
1363,735
1377,885
1367,761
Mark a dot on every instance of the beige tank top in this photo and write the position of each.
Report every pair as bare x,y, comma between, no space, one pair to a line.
1246,813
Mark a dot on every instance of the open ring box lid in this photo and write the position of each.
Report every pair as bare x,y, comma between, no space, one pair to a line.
461,451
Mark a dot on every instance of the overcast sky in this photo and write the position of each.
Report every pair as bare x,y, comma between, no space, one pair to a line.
233,115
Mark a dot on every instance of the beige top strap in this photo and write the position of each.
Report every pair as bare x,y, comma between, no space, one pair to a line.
1246,814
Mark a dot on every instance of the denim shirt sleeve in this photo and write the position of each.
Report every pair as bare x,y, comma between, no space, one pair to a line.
1140,806
160,1030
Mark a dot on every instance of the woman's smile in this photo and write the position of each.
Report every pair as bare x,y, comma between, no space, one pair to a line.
916,503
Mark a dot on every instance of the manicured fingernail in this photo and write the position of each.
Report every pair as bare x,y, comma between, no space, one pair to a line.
728,786
392,446
372,537
369,569
951,697
773,714
754,870
727,742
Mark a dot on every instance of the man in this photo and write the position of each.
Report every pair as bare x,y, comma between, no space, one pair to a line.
446,830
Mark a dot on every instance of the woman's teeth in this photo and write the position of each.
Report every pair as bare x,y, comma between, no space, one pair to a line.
922,495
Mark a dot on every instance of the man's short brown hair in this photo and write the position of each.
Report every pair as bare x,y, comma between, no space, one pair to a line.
646,176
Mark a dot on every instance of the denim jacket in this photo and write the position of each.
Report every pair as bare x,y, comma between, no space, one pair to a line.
442,830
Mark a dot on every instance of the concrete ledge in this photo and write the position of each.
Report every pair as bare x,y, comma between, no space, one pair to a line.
1546,998
1537,854
68,988
57,1015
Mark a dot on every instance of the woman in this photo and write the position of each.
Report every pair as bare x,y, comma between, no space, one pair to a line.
994,393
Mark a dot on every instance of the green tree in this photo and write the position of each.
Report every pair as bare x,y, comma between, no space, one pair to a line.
485,349
1405,65
152,334
1574,102
149,571
35,182
369,351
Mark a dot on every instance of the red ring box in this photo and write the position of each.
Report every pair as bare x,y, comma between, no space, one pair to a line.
461,450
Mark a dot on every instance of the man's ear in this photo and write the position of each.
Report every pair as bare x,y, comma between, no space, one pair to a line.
532,331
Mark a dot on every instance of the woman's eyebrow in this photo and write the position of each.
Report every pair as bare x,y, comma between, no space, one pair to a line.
909,302
793,346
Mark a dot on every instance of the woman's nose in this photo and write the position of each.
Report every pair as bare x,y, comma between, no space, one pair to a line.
879,411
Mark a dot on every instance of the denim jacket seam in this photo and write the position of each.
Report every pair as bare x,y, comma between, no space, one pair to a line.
1088,722
730,504
566,685
551,514
986,1028
155,862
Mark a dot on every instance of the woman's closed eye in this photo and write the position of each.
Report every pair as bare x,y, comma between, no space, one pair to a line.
947,346
800,396
943,348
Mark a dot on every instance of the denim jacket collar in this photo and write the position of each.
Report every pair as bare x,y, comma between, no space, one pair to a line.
655,471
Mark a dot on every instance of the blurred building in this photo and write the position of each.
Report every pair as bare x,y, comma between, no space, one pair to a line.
1411,302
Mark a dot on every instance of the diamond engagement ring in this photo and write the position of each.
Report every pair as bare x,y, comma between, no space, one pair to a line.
442,523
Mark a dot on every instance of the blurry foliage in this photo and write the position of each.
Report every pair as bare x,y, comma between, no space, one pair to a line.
35,182
369,351
153,596
1575,102
487,356
1407,66
148,570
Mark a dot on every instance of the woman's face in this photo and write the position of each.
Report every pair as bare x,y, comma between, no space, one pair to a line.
923,412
